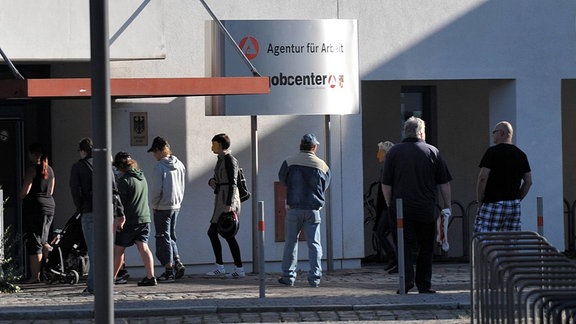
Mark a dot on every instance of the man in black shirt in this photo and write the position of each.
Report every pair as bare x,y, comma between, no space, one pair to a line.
413,171
503,181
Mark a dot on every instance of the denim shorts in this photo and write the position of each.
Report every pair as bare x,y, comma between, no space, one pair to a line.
132,233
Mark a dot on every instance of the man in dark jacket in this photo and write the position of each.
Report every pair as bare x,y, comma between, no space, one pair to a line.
414,171
81,189
306,178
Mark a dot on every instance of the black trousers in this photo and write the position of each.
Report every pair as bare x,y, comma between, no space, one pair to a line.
419,242
217,247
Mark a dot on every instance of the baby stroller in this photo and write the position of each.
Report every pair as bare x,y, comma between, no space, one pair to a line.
68,260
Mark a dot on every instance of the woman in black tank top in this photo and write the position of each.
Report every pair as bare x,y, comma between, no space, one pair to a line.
37,209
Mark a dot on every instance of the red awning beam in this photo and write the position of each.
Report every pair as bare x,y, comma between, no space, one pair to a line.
134,87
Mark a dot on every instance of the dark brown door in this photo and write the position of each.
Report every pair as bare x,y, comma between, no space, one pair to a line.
10,178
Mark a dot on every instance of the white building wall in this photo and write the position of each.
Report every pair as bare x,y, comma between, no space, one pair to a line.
412,40
539,134
529,42
58,30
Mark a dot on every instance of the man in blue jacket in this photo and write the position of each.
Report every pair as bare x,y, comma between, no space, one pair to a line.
306,178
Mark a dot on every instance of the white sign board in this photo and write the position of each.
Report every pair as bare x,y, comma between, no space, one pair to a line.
312,65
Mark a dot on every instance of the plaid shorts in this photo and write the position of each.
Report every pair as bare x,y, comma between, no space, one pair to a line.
501,216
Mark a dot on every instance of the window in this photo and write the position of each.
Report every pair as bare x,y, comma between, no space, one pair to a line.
420,101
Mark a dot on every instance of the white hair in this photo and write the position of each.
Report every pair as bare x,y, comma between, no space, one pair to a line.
385,146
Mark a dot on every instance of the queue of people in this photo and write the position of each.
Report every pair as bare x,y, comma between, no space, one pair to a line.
412,170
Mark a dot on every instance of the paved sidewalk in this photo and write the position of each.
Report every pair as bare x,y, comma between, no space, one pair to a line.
367,294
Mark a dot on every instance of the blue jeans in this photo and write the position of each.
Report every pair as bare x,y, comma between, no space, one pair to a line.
165,225
296,220
87,220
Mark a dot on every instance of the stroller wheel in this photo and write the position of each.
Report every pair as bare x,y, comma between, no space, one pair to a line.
72,277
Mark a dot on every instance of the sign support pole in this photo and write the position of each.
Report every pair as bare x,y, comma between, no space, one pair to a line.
329,245
254,198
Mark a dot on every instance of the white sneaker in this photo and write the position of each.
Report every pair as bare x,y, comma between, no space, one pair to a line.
219,271
238,273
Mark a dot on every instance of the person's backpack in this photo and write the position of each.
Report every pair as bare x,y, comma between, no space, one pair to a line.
242,188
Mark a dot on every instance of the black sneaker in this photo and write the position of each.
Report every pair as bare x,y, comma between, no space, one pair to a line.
390,266
120,281
180,269
167,276
87,292
123,273
148,282
286,282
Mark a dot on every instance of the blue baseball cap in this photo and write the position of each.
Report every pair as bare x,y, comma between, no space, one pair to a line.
309,139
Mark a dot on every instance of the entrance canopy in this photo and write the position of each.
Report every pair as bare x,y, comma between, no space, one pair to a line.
134,87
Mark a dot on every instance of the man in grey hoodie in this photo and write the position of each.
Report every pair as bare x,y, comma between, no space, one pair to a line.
168,182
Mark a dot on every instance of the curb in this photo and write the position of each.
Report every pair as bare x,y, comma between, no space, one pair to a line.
196,310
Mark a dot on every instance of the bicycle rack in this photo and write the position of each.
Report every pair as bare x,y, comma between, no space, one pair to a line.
518,277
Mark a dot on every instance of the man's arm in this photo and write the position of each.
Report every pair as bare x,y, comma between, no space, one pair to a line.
446,192
76,187
157,186
526,184
118,208
481,184
283,173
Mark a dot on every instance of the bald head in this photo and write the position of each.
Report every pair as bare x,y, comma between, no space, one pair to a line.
503,132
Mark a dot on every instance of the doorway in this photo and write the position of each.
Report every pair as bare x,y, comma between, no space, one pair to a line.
10,171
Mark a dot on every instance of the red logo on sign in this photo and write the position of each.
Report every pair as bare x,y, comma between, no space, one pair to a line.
250,47
332,81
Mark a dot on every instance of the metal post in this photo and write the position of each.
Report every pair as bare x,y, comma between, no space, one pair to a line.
400,229
101,180
329,245
540,215
14,70
254,139
261,241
